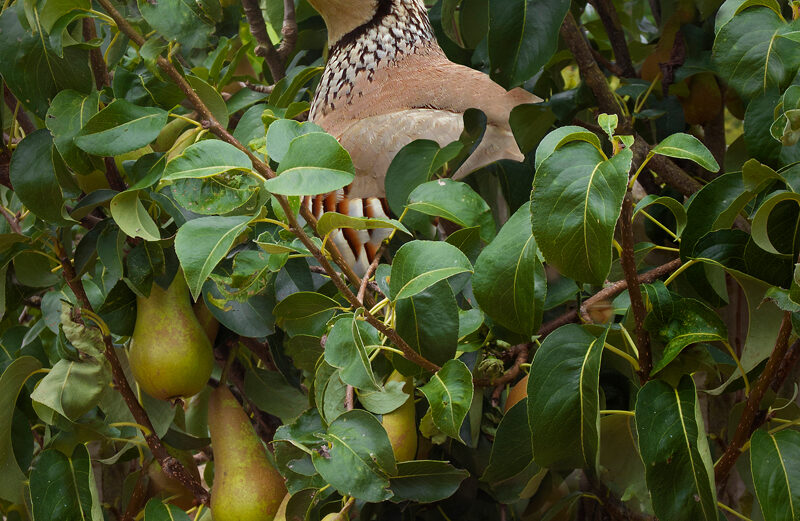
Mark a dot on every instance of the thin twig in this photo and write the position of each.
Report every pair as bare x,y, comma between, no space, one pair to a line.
264,47
522,351
349,398
13,222
288,30
608,15
261,350
787,364
171,466
137,499
99,69
607,293
113,176
753,404
628,261
22,118
362,290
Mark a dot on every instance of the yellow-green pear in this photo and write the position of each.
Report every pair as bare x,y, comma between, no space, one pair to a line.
401,424
246,486
170,354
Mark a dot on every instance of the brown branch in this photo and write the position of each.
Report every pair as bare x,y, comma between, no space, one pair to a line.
522,351
261,350
13,222
349,398
608,15
113,176
264,47
628,262
607,293
753,405
171,466
787,364
289,30
362,290
99,69
262,168
138,497
22,118
607,102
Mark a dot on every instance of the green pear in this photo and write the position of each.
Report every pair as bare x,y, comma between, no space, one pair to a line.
246,486
170,354
401,424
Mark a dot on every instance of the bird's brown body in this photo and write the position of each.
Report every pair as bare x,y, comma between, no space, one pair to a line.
387,83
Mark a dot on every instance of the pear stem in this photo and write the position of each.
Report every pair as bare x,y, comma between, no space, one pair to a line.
171,466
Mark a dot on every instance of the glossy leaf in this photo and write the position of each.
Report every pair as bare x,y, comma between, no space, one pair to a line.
564,399
686,146
751,56
202,243
270,392
155,510
674,448
347,348
576,201
523,35
413,165
205,159
760,230
11,382
359,459
676,208
456,202
314,164
419,265
132,218
281,134
509,281
511,467
425,481
180,21
330,221
449,393
68,113
63,487
773,459
34,178
119,128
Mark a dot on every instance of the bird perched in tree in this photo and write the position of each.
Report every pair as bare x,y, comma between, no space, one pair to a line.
387,83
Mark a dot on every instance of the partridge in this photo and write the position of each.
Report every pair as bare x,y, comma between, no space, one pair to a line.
387,83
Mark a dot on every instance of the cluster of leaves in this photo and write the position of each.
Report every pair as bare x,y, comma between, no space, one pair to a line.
171,168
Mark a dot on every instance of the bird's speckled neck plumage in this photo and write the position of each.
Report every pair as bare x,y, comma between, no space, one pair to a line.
396,29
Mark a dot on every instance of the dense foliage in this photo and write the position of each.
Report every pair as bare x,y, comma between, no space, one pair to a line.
636,274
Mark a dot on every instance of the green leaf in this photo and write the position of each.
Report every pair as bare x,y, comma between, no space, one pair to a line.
511,467
71,388
419,265
68,113
281,133
212,99
205,159
302,305
359,459
330,221
314,164
329,392
428,321
773,461
176,20
346,349
33,72
674,448
686,146
760,230
673,205
564,399
132,218
687,322
425,481
750,55
270,392
64,487
449,393
384,401
731,8
456,202
413,165
576,201
119,128
523,35
509,281
11,382
202,243
155,510
560,137
33,176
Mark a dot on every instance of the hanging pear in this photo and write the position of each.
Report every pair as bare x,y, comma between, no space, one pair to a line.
170,356
401,424
246,486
